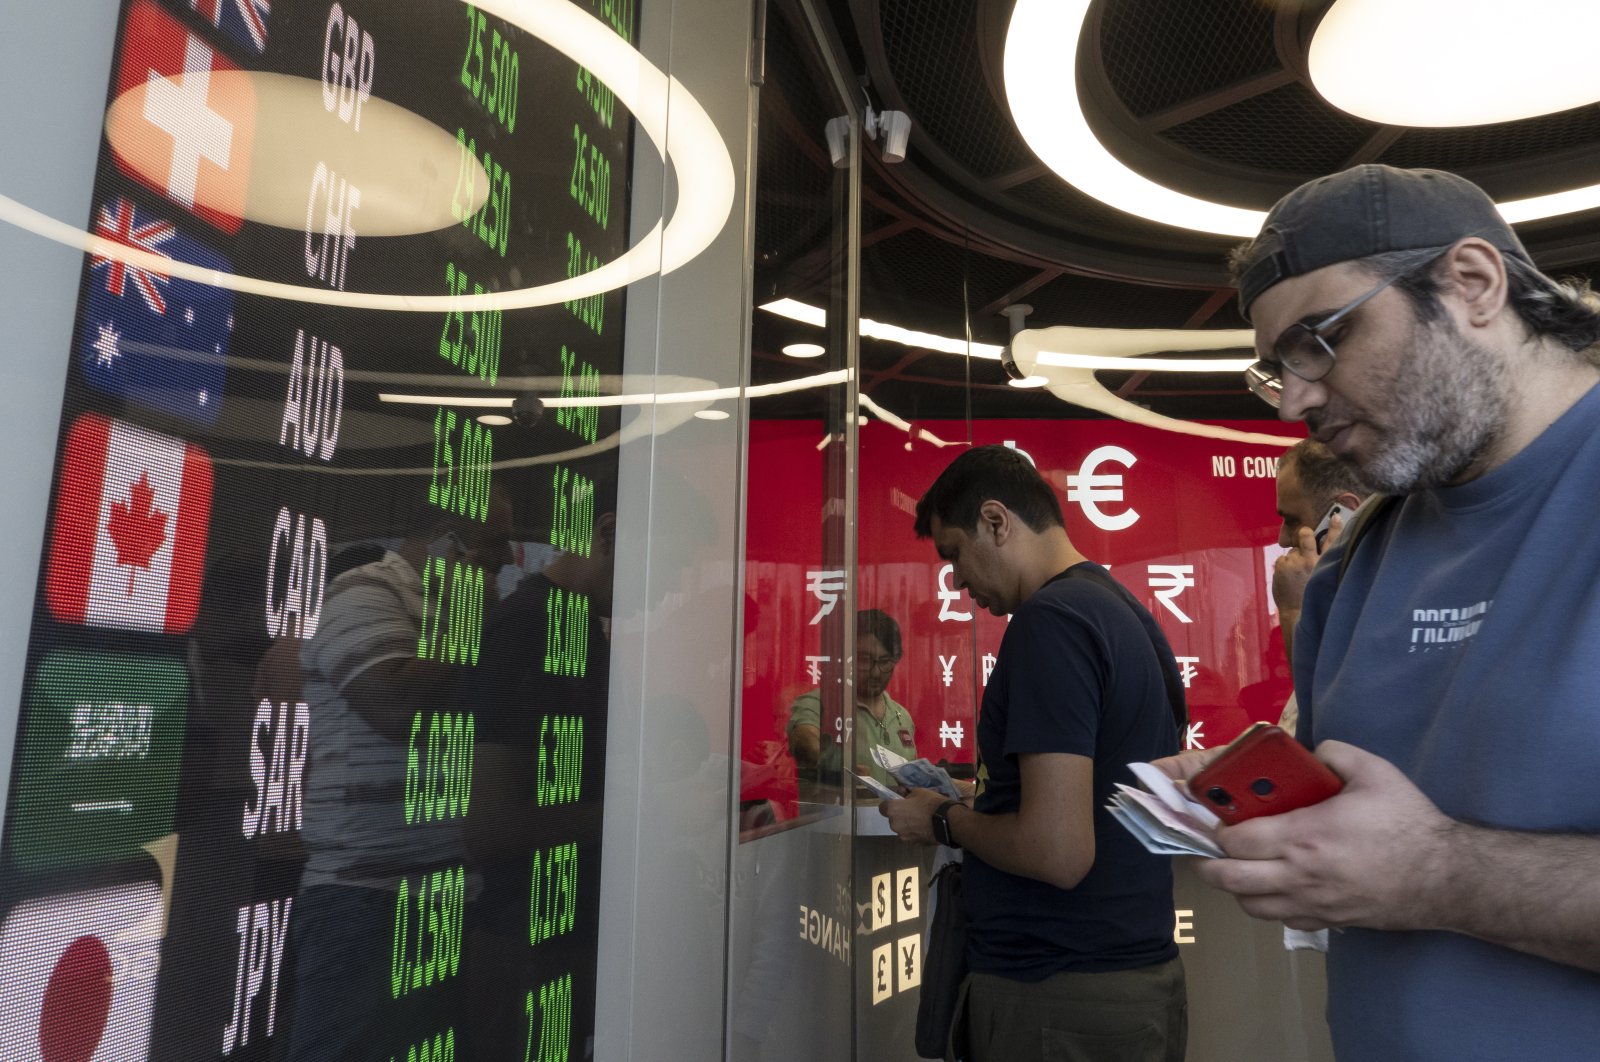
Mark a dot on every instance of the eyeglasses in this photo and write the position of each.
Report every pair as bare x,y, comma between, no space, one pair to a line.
877,663
1305,350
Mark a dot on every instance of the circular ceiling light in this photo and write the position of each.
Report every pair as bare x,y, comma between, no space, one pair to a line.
1407,62
690,144
711,414
494,420
804,350
1049,115
1030,381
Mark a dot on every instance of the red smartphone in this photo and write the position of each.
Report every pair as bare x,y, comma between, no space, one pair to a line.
1263,771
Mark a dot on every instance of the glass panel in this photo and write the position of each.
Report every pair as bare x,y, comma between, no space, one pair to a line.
669,800
1184,520
792,992
331,675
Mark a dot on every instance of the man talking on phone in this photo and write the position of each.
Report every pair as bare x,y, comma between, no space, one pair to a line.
1070,929
1311,482
1448,673
1317,495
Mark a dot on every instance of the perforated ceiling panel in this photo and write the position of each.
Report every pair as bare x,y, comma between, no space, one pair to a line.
1306,136
1159,54
1495,145
934,59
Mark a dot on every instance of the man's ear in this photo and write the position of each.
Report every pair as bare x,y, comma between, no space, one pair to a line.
1475,273
994,519
1349,500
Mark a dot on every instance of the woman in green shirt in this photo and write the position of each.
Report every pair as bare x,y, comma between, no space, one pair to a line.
879,720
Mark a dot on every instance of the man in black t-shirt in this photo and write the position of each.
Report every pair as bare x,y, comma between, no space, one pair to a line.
1070,947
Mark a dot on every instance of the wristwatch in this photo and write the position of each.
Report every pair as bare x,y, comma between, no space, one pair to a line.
941,824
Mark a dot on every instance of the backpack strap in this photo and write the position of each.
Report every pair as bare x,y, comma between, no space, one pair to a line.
1376,508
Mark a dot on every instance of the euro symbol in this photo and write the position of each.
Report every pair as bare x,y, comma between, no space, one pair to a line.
905,895
1089,487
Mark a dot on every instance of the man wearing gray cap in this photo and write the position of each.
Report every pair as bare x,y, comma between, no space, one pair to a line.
1450,672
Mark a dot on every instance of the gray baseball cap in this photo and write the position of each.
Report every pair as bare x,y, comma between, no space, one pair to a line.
1368,210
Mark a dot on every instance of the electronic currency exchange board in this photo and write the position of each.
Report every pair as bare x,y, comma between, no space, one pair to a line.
310,752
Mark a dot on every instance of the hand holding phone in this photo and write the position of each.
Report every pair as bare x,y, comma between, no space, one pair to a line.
1322,528
1263,771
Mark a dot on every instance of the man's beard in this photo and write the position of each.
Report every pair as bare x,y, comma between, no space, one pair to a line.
1447,406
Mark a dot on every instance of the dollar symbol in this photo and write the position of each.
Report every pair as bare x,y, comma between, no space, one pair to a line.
883,897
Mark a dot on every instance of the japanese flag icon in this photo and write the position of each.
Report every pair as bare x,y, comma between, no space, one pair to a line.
79,972
128,543
182,123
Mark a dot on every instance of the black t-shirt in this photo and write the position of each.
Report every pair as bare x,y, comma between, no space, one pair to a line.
1076,673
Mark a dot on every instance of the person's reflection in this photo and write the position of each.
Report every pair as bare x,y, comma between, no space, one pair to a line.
879,720
366,689
535,823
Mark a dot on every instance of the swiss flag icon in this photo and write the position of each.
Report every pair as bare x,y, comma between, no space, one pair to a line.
129,540
183,122
80,976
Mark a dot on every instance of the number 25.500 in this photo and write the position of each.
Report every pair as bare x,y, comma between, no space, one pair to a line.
494,85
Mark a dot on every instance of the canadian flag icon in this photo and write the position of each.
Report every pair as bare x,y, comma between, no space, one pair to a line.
129,539
80,976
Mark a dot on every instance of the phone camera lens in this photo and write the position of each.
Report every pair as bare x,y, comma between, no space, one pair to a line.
1262,787
1218,795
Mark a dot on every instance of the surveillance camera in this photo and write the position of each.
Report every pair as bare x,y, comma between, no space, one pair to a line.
1016,316
527,410
896,129
838,130
1008,362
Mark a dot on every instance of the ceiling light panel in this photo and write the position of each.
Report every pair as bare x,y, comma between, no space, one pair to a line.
1412,63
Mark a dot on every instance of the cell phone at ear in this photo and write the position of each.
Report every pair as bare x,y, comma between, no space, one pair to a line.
1322,528
1263,771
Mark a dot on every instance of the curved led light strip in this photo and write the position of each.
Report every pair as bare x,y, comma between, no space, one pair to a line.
1053,354
689,143
1043,94
672,409
1399,62
1073,381
1107,347
1049,115
642,398
894,420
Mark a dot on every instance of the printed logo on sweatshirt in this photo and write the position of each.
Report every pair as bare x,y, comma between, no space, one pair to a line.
1446,628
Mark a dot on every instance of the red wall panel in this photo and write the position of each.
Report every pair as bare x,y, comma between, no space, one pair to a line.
1188,524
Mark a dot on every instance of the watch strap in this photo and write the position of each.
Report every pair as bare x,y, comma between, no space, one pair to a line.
941,824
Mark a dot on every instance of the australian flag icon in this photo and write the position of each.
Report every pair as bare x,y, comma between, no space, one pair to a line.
155,340
243,20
